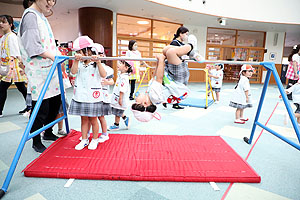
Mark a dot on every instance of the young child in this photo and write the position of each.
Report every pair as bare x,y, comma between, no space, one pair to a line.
216,80
87,98
120,96
106,82
162,88
295,91
241,95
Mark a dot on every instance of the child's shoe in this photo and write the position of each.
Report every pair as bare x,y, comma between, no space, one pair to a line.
244,119
82,144
93,144
61,132
103,138
127,122
238,121
113,128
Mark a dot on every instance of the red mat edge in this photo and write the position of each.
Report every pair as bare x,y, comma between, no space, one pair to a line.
137,178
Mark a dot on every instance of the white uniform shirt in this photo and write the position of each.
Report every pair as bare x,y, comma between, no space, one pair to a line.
238,95
295,89
105,88
121,85
217,82
172,91
88,87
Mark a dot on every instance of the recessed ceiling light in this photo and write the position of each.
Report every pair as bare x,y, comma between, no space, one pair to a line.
142,22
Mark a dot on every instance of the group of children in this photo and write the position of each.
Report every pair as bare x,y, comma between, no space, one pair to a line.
91,100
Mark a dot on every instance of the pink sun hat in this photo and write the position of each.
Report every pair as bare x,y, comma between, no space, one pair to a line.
82,42
145,116
99,48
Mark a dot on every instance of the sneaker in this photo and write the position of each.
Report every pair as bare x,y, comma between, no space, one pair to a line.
93,144
103,138
82,144
165,105
176,106
51,137
127,122
61,132
40,148
238,121
244,119
113,128
217,102
26,114
23,111
131,98
88,136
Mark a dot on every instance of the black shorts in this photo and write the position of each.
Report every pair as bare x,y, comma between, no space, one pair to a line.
297,108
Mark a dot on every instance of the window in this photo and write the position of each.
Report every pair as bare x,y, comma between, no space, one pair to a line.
164,30
133,26
221,36
250,39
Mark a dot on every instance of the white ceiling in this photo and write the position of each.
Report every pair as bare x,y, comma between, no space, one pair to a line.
144,8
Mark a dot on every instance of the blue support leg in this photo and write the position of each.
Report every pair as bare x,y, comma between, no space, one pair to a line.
262,97
26,136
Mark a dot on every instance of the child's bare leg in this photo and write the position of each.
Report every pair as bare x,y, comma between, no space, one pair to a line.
166,48
160,68
95,126
117,119
103,124
237,114
84,127
174,54
218,96
61,123
242,114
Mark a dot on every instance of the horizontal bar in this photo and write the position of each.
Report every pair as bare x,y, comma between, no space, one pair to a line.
155,60
297,146
31,135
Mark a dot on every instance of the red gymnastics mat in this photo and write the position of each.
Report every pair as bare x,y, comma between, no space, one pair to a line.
144,158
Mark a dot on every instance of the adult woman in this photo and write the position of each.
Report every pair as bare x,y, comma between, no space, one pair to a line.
38,50
293,68
135,75
10,56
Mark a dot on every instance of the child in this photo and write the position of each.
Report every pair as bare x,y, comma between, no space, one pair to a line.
295,91
87,98
216,80
161,89
120,96
241,95
106,82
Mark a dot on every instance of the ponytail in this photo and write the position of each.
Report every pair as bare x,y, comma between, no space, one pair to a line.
181,30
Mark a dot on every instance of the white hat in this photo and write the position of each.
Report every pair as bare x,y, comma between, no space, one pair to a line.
247,67
98,47
145,116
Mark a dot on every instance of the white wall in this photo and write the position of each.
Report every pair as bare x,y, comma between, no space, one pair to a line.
65,27
200,33
271,48
265,10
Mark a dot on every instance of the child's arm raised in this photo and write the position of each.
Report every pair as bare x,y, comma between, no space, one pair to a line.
101,69
74,68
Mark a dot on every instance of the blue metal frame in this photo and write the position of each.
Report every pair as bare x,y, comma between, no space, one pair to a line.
27,135
270,66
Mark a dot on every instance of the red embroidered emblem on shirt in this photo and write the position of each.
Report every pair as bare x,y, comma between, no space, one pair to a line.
96,94
122,84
